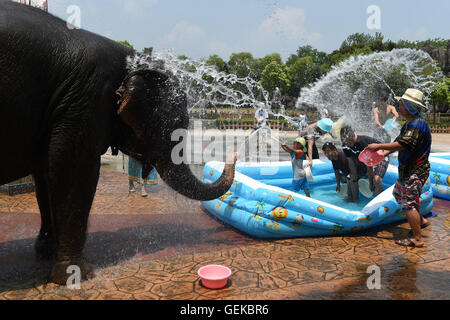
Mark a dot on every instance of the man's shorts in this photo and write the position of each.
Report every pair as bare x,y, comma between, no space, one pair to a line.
381,168
407,193
301,184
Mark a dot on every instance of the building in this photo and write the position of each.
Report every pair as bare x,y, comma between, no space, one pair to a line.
42,4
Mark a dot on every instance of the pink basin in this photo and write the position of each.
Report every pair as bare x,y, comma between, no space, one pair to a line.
371,158
214,276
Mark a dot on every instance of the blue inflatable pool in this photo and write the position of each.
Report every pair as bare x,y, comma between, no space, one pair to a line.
439,173
260,204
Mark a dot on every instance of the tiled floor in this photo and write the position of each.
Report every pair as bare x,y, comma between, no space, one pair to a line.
151,248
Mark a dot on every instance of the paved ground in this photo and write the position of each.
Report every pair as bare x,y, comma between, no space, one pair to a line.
151,248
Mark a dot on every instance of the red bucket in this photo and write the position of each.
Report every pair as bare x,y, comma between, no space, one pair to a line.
371,158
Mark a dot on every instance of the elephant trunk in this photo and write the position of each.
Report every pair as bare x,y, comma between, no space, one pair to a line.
181,179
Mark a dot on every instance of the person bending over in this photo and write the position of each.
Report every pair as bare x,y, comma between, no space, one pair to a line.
353,145
341,167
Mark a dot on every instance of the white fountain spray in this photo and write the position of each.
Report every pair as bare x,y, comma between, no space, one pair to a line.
350,89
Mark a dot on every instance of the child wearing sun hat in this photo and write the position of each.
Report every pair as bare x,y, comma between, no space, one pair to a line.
298,154
414,146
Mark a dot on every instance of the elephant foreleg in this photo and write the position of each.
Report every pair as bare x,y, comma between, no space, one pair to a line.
72,177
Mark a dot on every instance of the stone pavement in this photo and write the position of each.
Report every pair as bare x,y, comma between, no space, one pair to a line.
151,248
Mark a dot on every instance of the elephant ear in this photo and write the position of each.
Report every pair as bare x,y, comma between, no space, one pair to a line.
138,93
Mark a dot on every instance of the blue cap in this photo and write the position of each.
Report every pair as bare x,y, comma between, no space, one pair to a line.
325,124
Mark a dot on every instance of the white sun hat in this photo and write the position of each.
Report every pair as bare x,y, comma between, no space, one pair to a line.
415,97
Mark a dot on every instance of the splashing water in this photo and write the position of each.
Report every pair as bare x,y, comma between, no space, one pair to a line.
351,89
203,84
205,87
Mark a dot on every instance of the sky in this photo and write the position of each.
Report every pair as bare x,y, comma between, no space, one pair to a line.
200,28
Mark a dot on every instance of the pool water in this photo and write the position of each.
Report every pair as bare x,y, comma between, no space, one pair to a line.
328,194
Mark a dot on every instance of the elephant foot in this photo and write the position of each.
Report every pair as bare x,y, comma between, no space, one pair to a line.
71,272
45,247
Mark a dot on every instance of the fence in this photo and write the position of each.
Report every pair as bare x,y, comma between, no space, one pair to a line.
238,125
436,129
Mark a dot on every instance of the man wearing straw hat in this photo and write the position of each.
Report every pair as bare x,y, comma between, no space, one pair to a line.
414,146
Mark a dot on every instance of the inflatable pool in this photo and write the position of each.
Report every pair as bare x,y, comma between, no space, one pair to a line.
260,204
441,155
440,175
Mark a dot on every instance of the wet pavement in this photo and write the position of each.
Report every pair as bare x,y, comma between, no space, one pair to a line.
151,248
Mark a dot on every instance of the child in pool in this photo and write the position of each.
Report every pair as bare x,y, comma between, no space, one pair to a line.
298,153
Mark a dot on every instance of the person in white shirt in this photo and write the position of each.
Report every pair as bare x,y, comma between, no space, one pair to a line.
261,115
302,121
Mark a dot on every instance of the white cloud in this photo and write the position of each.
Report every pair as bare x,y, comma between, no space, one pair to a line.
184,32
184,38
283,32
288,24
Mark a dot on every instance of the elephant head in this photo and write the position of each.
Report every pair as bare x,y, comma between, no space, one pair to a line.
153,105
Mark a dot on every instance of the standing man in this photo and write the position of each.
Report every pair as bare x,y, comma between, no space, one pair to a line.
135,175
381,113
261,115
414,146
302,121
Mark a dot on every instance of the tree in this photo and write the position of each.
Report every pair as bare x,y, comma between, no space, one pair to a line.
262,63
218,62
440,96
274,76
301,73
363,39
344,53
126,44
242,64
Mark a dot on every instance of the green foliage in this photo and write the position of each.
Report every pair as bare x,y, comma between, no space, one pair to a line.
436,42
346,52
182,57
261,64
126,44
275,75
301,73
441,92
363,39
308,64
218,62
242,64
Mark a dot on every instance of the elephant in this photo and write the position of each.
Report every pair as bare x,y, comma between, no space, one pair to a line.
66,97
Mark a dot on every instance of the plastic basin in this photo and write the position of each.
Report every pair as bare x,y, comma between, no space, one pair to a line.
309,176
214,276
364,188
371,158
390,124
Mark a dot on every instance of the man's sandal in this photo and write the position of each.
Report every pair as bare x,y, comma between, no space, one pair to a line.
407,242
